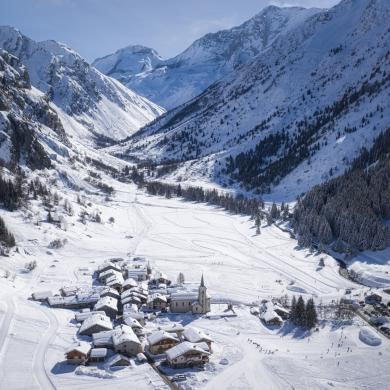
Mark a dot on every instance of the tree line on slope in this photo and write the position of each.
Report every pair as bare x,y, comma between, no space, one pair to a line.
235,204
351,211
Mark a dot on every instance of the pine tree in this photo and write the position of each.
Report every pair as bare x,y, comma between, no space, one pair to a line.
300,312
180,279
310,314
293,309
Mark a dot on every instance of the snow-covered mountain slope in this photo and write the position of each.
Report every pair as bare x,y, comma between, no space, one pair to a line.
31,132
179,79
291,118
102,108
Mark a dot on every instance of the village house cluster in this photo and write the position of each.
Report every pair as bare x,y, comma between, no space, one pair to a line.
116,317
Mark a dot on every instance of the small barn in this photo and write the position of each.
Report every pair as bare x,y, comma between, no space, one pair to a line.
97,355
41,295
161,341
78,354
187,354
103,339
118,360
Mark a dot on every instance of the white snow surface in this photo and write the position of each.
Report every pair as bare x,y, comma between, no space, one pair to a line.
178,236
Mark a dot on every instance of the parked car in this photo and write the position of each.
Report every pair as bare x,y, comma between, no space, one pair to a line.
179,378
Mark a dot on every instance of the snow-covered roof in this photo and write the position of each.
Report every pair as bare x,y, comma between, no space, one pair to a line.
114,279
130,308
115,359
132,322
108,290
195,335
158,296
184,296
98,352
130,282
172,328
107,265
156,337
102,338
96,319
80,317
183,348
109,273
82,347
109,302
123,334
42,294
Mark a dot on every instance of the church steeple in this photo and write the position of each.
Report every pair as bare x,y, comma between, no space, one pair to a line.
202,282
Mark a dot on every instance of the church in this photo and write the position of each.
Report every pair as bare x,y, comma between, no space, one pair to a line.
184,302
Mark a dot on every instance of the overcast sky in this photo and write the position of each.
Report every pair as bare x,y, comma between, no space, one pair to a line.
95,28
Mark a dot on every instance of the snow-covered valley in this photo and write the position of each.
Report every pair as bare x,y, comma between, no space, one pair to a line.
178,236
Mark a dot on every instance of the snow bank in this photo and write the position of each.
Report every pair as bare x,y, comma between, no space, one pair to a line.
94,372
368,336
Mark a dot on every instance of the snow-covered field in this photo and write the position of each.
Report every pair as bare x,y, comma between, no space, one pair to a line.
178,236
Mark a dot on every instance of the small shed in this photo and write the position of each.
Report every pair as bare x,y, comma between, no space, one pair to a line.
97,355
78,354
41,295
118,360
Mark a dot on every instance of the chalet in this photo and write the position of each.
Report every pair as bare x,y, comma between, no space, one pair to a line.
80,317
196,336
157,302
128,284
104,276
97,355
139,316
373,299
161,341
78,354
283,313
187,354
118,360
41,295
191,302
68,291
109,292
108,305
138,274
176,329
107,266
160,278
125,341
132,322
103,339
115,282
79,301
94,324
269,317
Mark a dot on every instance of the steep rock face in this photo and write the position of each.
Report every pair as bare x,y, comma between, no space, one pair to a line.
292,117
26,119
101,106
174,81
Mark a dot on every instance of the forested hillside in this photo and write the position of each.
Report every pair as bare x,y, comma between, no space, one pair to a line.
353,210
